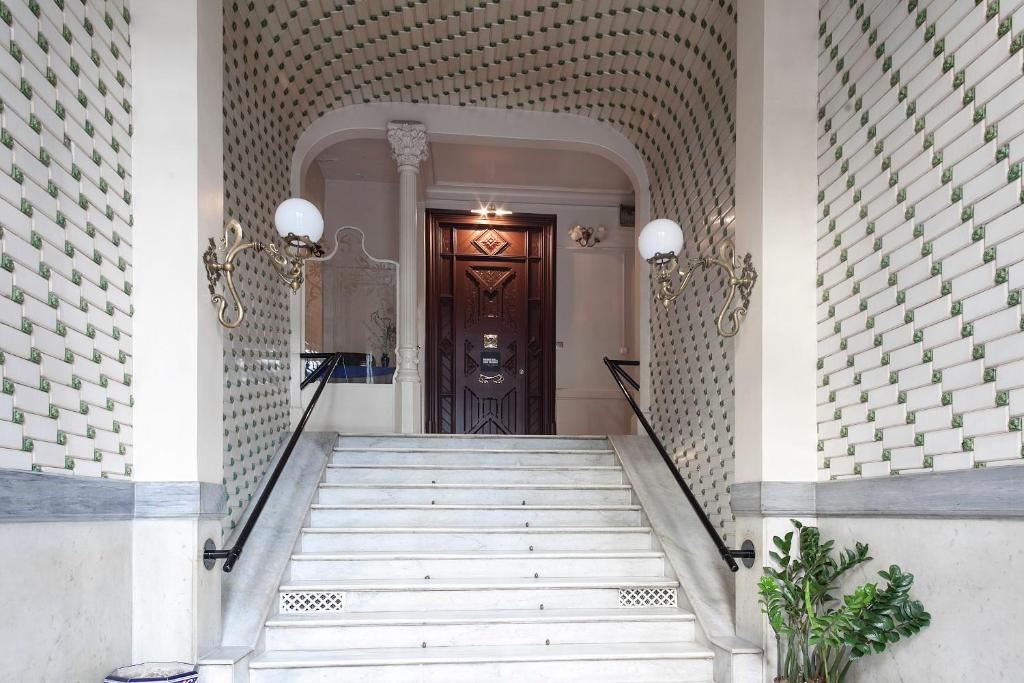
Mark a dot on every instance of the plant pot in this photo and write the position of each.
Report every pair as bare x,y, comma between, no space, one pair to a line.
156,672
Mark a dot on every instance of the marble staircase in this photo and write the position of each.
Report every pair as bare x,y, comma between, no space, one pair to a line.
462,559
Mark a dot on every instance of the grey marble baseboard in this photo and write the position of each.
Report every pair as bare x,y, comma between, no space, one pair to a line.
774,498
36,497
179,499
969,494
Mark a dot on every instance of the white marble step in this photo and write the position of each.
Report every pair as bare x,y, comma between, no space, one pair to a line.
337,566
473,515
469,494
424,595
522,539
464,474
465,628
594,663
464,441
449,457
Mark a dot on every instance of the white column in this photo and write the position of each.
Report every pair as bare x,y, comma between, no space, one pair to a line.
776,187
177,64
408,141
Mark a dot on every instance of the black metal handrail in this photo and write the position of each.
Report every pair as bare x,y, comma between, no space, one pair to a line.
622,378
319,370
231,555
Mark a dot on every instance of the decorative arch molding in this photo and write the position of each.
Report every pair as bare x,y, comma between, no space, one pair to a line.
479,125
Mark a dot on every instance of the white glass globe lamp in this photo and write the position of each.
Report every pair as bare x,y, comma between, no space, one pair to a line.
661,239
300,218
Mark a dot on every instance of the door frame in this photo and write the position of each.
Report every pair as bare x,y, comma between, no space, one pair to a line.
548,224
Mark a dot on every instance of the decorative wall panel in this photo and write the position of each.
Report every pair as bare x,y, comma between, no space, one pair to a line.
661,71
66,235
921,236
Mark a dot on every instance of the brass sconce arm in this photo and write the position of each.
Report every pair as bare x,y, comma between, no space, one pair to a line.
287,263
742,276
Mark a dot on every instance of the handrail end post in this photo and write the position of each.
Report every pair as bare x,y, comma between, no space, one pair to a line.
229,562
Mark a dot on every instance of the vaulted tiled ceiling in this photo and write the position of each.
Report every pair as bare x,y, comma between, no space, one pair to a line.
663,72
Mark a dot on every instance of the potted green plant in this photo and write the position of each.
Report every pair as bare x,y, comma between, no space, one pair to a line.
819,635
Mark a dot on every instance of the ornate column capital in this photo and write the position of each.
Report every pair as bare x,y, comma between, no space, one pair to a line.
408,141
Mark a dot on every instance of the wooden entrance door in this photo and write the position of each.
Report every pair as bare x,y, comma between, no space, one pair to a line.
490,324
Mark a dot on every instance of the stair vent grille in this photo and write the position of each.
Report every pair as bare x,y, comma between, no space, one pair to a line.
647,597
312,601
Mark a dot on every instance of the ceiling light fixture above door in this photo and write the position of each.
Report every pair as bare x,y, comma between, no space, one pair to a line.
490,211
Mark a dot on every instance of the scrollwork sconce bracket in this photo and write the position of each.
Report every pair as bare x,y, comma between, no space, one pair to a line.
287,262
741,279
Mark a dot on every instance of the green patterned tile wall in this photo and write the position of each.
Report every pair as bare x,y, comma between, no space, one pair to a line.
65,237
660,71
257,157
921,236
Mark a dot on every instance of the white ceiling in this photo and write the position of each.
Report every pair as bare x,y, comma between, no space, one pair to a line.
478,165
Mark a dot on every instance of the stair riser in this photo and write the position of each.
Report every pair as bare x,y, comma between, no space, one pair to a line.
480,599
440,517
456,542
424,477
475,459
459,635
481,496
341,570
572,671
470,442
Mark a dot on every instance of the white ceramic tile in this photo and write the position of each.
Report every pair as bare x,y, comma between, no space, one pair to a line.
1005,446
943,441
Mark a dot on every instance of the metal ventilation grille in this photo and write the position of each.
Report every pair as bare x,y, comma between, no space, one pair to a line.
647,597
312,601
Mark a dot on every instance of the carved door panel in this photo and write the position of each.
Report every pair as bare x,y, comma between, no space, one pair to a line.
490,358
490,301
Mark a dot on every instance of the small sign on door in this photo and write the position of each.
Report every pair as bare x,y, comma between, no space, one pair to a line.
490,360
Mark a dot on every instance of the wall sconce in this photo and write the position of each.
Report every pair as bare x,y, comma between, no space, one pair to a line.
587,237
661,241
300,226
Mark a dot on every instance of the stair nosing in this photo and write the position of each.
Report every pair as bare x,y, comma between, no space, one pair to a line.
475,530
513,468
481,655
471,506
472,449
482,555
467,617
473,487
503,583
425,435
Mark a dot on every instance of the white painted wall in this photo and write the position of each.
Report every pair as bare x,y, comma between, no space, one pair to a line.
370,206
177,61
314,187
67,608
967,574
353,409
